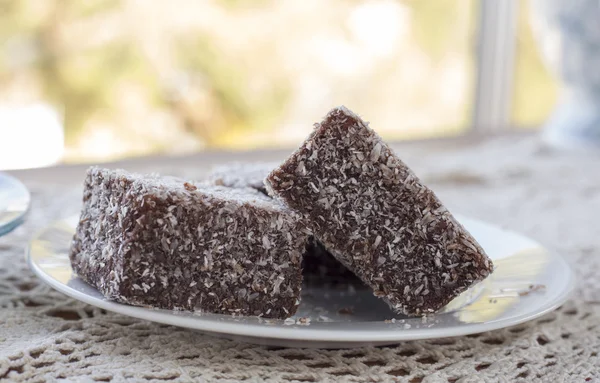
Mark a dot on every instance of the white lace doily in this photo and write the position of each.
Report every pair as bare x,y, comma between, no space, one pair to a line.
552,197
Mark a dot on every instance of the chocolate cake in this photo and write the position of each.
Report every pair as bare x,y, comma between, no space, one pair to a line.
166,243
376,217
319,267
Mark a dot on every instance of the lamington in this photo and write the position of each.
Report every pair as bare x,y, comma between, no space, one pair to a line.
377,218
319,267
166,243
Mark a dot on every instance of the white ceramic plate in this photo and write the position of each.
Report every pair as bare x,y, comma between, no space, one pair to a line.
528,282
14,203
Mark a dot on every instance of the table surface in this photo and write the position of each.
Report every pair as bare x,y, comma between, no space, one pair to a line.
514,182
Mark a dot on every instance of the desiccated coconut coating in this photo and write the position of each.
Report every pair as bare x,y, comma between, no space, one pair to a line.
375,216
318,265
242,175
166,243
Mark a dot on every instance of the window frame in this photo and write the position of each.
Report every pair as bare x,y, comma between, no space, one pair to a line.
495,65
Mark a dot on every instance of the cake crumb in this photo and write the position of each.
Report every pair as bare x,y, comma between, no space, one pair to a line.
531,289
346,311
189,187
304,321
289,321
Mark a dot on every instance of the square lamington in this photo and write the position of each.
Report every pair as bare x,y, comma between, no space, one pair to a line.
377,218
166,243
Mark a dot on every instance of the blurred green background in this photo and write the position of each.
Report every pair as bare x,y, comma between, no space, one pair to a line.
133,77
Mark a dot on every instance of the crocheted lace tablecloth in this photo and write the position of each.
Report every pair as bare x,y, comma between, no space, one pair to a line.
513,182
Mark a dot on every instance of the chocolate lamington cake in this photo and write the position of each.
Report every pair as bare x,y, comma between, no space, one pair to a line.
318,265
375,216
166,243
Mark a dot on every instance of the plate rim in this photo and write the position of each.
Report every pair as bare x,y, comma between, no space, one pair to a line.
307,333
19,219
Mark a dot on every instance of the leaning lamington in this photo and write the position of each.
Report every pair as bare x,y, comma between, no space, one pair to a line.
166,243
318,265
375,216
